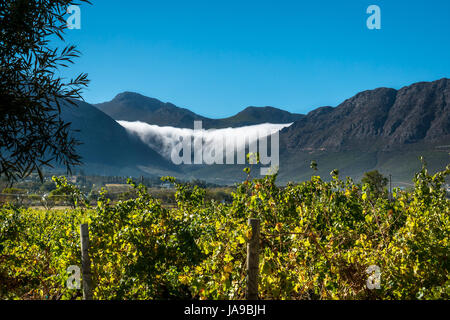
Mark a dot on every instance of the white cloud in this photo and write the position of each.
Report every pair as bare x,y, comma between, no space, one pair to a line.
164,139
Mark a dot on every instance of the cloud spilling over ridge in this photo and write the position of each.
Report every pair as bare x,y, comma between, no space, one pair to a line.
165,139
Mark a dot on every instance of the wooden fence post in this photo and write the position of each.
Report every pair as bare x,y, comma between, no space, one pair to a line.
253,261
86,263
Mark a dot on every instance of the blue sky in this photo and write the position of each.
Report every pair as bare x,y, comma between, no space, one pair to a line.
217,57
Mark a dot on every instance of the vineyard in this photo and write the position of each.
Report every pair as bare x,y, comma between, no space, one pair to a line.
317,239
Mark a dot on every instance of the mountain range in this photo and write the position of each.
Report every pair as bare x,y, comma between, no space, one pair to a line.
384,129
130,106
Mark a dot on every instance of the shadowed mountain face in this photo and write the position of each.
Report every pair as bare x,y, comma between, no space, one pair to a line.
131,106
380,119
107,148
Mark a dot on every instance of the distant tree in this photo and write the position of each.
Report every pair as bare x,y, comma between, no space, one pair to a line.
199,183
67,192
47,186
32,133
376,181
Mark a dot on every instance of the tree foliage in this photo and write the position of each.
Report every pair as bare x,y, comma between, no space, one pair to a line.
32,133
376,181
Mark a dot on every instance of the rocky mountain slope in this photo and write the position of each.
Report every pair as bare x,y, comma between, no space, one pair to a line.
381,119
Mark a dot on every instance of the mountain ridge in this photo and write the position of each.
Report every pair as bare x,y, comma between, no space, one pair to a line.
131,106
383,117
